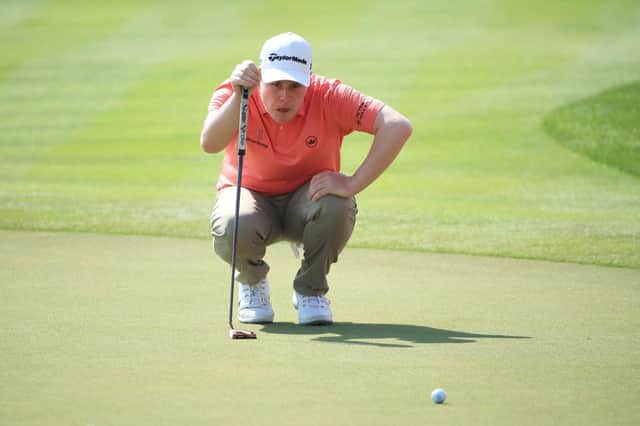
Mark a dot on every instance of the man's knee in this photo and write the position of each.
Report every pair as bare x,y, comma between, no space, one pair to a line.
250,236
332,219
333,209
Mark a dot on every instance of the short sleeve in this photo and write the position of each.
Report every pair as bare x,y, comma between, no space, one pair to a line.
220,95
352,110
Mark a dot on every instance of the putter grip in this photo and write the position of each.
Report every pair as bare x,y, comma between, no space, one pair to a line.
244,116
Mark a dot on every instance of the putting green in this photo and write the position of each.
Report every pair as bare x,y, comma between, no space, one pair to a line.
125,330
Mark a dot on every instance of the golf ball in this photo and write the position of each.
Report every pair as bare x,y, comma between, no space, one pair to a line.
438,396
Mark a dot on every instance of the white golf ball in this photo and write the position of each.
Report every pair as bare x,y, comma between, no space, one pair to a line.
438,396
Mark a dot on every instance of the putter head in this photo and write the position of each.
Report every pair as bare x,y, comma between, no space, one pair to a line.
236,333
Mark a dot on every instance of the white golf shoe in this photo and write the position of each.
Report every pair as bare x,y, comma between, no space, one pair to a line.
312,310
254,304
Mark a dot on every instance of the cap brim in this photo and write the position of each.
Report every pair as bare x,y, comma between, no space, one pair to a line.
269,75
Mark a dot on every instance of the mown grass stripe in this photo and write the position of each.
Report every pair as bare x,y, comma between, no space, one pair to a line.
48,29
479,175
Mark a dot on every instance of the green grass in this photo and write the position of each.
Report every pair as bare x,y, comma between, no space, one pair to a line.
129,330
605,128
525,146
102,108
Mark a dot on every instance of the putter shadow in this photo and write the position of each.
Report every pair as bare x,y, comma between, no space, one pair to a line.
372,334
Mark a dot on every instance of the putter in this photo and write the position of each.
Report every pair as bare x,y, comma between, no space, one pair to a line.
236,333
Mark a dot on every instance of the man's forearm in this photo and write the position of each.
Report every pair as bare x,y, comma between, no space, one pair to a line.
220,125
393,130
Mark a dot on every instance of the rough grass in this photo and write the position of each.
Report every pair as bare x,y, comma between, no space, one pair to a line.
605,128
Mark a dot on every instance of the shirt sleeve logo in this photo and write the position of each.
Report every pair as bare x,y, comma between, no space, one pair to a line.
311,142
362,108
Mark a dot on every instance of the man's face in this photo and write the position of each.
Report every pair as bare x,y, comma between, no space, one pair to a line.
282,99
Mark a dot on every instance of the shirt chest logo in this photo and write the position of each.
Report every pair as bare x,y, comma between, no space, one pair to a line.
311,142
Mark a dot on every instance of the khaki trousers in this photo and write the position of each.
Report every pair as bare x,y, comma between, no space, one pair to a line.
323,227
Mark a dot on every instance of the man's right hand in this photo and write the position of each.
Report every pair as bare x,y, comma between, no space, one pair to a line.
221,123
245,74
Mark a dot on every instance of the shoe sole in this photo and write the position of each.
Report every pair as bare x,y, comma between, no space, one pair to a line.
255,322
265,320
317,322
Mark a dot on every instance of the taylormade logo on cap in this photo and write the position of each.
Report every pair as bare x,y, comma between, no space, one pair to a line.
286,56
276,57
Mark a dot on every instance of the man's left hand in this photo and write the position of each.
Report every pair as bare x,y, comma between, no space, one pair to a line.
325,183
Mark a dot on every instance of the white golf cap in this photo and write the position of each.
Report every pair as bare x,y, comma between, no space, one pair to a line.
286,56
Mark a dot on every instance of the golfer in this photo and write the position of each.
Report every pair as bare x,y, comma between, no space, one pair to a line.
292,188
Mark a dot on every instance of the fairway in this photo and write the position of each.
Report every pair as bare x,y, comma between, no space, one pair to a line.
102,108
498,257
132,330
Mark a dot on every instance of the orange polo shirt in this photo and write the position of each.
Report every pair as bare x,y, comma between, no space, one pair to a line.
282,157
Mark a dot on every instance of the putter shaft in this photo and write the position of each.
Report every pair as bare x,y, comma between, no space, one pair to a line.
242,137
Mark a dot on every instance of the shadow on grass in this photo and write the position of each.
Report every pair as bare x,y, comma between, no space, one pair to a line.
374,334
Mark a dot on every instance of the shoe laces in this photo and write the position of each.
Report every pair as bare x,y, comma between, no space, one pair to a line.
318,302
255,295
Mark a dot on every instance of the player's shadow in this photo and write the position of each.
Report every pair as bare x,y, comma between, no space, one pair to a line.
382,335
